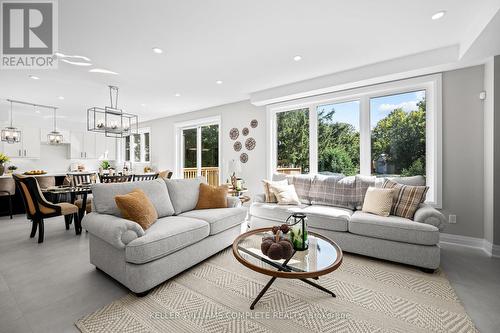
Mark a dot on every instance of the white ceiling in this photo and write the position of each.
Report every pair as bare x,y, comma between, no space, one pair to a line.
249,45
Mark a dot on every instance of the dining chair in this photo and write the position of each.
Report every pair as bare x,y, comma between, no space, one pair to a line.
165,174
38,208
115,179
79,179
8,189
138,178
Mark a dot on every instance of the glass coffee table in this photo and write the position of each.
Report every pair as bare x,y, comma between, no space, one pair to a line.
322,257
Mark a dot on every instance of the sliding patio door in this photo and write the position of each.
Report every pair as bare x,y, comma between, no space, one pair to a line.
200,152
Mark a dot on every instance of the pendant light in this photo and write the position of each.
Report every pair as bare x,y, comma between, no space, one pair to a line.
55,137
111,120
11,134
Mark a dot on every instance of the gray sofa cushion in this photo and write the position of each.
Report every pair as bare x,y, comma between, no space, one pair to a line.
165,236
220,219
393,228
184,193
338,191
272,211
412,181
104,196
328,218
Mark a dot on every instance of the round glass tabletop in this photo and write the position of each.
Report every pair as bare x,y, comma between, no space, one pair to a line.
322,257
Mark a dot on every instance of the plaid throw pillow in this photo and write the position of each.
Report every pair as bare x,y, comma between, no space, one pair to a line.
406,198
362,185
302,185
338,191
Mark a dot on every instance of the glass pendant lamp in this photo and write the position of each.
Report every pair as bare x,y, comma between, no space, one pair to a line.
55,137
10,134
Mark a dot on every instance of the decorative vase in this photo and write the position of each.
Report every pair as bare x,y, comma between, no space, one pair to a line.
2,169
298,231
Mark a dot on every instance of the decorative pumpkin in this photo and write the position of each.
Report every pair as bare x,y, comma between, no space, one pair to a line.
277,247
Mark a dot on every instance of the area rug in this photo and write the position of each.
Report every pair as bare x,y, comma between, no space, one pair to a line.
214,296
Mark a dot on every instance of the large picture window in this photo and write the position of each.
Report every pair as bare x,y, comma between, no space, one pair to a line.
398,137
338,138
390,129
293,141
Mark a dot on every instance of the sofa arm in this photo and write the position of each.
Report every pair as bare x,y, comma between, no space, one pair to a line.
430,215
233,202
259,198
114,230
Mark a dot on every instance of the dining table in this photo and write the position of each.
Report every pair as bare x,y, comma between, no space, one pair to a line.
73,191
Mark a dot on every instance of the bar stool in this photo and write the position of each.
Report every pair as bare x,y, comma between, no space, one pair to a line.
8,189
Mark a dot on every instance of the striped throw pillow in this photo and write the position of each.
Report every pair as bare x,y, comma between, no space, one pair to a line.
406,198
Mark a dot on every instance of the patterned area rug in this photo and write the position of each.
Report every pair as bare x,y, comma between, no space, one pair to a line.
214,296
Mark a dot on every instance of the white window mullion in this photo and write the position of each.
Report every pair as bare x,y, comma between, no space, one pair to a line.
313,139
364,136
198,150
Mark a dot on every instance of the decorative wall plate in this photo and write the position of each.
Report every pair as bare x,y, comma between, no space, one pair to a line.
237,146
250,143
254,123
234,133
245,131
244,158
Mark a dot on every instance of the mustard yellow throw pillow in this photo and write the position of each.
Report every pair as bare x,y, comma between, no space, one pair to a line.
137,207
212,197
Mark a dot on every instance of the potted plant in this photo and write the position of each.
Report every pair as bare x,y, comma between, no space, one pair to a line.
3,158
105,165
11,169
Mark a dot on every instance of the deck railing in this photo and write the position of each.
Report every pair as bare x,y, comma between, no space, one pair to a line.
289,171
211,174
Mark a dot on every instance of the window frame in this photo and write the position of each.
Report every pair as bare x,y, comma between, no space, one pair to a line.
141,132
432,84
179,143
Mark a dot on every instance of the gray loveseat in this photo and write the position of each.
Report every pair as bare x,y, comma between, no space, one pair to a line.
414,242
182,237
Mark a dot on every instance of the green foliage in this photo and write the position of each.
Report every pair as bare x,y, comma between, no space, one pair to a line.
401,136
415,169
337,160
105,165
209,143
293,139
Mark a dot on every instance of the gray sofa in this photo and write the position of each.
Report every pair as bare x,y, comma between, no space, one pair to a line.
182,237
414,242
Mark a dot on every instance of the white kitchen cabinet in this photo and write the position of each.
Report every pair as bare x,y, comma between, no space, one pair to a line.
28,147
100,146
83,145
76,143
111,148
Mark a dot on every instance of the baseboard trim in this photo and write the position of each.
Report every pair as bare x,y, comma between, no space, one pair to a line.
490,249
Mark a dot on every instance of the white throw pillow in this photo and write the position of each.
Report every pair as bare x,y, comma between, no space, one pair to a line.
378,201
285,194
270,197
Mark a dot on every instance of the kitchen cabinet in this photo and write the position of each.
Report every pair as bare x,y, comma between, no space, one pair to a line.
105,148
28,147
83,145
111,148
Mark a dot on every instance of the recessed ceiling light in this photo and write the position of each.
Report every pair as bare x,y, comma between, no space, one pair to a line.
143,104
177,95
60,97
157,50
438,15
76,63
102,71
33,77
37,111
297,58
218,82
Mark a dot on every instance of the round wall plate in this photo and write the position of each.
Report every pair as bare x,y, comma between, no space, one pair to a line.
237,146
250,143
234,133
244,158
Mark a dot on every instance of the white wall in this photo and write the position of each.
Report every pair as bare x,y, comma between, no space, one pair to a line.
488,149
232,115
